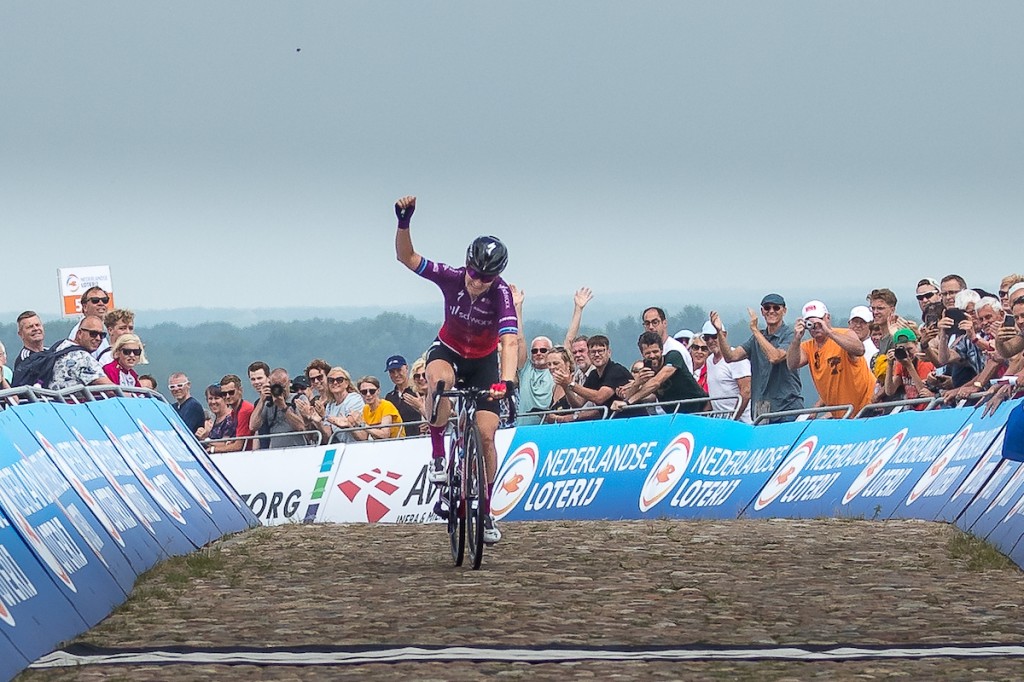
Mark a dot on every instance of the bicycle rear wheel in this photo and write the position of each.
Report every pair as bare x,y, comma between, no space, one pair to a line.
475,504
453,494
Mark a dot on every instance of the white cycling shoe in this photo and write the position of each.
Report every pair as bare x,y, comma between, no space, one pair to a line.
436,471
491,533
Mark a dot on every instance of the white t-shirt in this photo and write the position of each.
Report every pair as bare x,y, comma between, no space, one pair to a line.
672,344
870,350
722,378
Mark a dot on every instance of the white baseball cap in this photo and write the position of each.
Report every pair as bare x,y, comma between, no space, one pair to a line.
708,329
861,312
683,334
814,309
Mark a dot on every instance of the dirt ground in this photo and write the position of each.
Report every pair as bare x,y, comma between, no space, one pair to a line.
599,584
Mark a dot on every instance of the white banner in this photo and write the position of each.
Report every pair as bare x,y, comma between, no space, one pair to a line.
73,282
376,481
284,485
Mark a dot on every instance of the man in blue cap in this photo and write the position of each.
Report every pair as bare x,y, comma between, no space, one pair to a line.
774,387
398,370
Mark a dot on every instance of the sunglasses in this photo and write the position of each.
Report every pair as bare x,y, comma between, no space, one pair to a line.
95,334
98,299
1003,293
694,346
539,351
479,276
771,308
336,380
316,377
419,376
925,297
228,393
178,387
368,391
132,351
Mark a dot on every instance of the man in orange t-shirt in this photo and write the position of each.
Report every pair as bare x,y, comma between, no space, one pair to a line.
835,357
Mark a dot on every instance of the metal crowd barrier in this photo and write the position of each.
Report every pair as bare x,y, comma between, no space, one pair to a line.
269,436
575,410
808,411
896,406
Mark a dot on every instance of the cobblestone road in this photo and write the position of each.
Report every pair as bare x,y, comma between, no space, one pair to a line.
570,583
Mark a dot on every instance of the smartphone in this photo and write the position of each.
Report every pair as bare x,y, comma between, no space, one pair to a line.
957,316
1009,321
649,364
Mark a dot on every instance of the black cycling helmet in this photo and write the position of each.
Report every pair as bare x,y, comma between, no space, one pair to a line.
487,255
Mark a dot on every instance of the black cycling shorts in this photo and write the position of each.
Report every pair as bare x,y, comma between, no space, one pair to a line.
479,373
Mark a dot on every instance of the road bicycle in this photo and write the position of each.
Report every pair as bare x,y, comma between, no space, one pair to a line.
465,492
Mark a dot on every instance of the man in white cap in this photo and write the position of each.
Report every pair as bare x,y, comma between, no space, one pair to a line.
728,382
835,357
860,324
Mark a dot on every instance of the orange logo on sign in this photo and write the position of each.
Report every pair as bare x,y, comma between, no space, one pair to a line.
512,485
665,472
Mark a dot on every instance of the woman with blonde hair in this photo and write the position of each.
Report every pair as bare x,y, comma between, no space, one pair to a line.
419,401
127,351
343,409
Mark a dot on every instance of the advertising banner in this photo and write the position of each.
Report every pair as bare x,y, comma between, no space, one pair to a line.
246,519
103,495
959,471
187,469
59,528
862,468
73,282
166,532
11,662
981,514
386,482
149,468
34,615
282,485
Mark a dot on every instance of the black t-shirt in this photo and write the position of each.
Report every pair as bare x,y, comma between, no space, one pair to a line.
408,412
615,375
680,386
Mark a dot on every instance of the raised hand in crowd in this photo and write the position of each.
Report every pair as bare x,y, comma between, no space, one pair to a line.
204,430
753,321
582,297
417,403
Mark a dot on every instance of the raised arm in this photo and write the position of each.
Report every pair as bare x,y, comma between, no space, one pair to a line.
406,255
580,301
795,355
517,300
729,353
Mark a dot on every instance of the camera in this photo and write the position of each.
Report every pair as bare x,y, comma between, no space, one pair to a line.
901,353
1009,321
811,323
277,390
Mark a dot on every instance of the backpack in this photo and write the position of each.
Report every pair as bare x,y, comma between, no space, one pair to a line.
37,369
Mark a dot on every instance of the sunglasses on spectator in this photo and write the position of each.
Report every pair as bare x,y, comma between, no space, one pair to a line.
771,308
228,392
336,380
1003,293
95,333
177,387
132,351
368,391
479,276
316,377
419,375
694,346
539,351
926,296
98,299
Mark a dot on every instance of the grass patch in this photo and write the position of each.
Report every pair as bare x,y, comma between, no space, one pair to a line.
977,554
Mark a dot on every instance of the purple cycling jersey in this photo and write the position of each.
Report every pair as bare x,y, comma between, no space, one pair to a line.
471,328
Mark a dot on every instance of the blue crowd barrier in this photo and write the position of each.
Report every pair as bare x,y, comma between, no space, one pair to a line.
91,496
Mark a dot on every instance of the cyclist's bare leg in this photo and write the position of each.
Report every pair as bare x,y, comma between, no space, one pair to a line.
439,371
488,424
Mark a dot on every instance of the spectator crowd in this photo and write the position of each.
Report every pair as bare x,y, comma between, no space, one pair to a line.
960,346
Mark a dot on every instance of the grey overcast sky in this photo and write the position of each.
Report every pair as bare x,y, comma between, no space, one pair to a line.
247,154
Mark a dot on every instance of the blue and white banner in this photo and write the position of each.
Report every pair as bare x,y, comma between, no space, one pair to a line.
34,613
55,523
185,459
11,660
147,465
101,491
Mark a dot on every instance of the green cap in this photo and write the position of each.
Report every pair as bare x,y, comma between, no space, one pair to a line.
904,335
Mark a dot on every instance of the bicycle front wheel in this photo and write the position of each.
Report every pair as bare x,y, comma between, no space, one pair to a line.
456,521
475,504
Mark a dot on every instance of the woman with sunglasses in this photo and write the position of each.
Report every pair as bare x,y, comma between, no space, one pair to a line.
419,386
478,313
560,364
378,412
343,408
127,353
